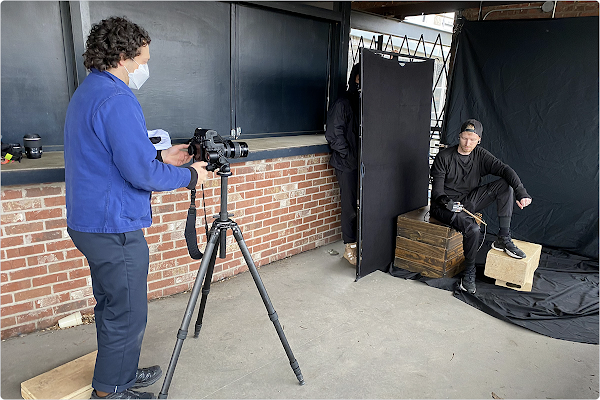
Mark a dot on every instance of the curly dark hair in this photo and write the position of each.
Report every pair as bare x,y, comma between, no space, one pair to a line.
111,39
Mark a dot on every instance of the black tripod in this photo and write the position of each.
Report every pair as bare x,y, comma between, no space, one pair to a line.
219,231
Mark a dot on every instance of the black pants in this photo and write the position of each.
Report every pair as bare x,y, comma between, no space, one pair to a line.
348,182
119,268
478,199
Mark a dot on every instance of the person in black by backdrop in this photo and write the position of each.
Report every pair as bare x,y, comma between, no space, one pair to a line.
457,173
343,124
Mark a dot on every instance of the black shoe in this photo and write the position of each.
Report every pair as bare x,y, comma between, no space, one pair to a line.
467,285
505,243
146,376
127,394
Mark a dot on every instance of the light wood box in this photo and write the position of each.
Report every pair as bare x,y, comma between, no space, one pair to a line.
512,272
72,380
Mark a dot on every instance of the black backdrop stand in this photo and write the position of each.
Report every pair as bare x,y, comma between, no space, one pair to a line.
217,238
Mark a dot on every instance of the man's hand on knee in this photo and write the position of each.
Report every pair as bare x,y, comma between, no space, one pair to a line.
524,202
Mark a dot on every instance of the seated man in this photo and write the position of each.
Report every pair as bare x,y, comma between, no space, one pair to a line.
457,173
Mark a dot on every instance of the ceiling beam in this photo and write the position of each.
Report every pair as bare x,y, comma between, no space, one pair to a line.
401,9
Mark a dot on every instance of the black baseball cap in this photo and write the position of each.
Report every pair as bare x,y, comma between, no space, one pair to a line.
477,127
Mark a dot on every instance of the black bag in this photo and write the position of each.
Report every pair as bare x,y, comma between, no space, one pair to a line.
12,151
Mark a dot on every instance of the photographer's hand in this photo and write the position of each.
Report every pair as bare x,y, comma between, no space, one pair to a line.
200,168
176,155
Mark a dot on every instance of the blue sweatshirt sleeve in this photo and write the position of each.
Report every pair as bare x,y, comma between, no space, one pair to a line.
121,127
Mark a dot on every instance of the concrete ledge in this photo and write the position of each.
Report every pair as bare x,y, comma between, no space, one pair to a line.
51,167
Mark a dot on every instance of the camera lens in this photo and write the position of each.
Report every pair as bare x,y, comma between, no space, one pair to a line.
235,149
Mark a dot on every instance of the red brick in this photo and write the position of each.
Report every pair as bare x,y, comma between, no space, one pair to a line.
176,289
11,241
60,245
12,218
33,316
20,205
10,321
70,307
24,273
45,236
297,178
32,293
8,194
70,285
65,265
78,273
54,201
14,331
174,253
43,191
165,246
16,308
178,216
43,214
49,279
6,299
13,264
74,253
281,181
176,197
56,223
24,228
161,284
156,228
273,174
162,209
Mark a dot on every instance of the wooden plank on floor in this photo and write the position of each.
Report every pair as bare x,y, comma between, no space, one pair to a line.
72,380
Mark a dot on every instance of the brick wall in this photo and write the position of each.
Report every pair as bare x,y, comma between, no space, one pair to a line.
284,206
564,9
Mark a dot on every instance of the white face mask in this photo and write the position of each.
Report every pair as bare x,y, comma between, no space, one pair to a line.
139,76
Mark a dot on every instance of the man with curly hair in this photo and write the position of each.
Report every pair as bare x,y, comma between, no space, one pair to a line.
111,170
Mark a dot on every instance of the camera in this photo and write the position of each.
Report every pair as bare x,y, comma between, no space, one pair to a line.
207,145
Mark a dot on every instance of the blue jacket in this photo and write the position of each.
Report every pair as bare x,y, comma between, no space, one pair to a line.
110,165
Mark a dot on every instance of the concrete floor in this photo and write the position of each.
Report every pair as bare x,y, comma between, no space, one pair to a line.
380,337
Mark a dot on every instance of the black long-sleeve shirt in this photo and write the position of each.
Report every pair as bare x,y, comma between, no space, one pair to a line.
456,176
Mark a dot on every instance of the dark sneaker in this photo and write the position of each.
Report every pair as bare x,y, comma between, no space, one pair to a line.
127,394
467,285
146,376
505,243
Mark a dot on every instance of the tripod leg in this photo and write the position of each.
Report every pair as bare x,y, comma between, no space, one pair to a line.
237,233
205,291
182,333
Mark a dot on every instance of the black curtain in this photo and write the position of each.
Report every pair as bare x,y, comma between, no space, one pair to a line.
534,87
394,150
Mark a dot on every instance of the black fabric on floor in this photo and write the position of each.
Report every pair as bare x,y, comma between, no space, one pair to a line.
562,304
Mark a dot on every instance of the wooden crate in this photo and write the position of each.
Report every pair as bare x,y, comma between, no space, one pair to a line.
511,272
427,246
72,380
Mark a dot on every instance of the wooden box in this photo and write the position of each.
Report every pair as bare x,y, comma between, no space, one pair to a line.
72,380
427,246
511,272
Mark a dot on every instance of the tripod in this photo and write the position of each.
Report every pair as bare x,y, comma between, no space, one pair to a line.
216,239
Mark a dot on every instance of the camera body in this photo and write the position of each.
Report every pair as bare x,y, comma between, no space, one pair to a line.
208,146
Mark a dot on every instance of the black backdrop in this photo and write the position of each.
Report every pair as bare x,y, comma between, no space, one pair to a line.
534,87
394,151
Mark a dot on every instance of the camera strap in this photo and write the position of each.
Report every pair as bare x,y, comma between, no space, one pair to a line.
191,239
